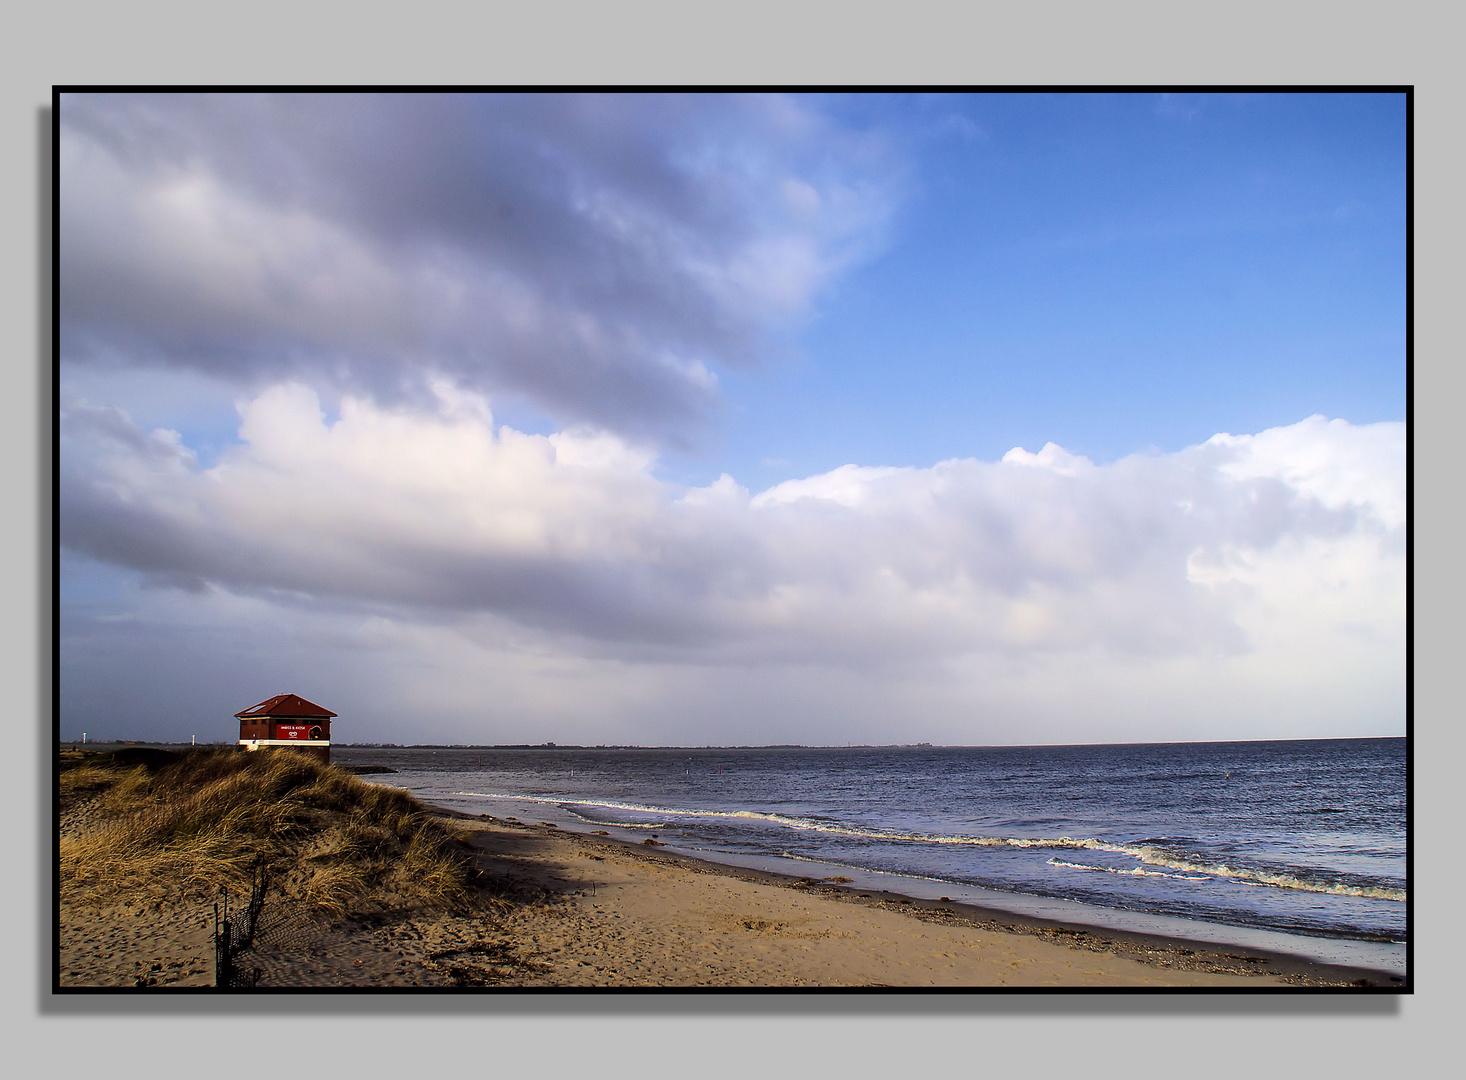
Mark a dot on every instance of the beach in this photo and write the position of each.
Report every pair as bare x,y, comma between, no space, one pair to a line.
567,909
1237,844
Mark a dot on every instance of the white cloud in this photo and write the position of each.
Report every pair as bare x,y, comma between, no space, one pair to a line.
1330,460
1278,557
849,485
1052,457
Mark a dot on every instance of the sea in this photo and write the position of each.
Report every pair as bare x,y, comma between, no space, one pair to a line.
1295,846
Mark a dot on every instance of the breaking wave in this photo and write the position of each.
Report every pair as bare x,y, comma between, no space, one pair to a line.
1134,871
1150,855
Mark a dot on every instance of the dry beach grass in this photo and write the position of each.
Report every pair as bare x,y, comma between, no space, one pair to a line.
191,823
150,841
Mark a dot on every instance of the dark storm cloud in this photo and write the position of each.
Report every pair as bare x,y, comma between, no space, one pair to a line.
599,254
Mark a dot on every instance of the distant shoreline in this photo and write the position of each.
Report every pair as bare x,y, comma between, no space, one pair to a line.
102,746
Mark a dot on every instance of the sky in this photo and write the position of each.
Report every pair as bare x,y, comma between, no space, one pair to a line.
745,419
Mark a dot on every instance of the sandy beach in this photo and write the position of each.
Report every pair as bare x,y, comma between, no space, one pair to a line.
578,910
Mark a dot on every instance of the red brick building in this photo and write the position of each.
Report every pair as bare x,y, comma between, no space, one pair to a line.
287,720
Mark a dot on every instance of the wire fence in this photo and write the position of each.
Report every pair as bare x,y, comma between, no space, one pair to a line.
233,934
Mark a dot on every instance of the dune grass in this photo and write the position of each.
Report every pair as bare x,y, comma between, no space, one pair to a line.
208,818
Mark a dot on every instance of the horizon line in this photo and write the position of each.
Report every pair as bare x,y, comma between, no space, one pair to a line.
735,746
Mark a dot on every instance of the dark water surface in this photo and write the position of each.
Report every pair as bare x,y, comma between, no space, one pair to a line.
1299,844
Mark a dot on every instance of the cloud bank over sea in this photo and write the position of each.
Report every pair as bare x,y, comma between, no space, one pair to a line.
1274,553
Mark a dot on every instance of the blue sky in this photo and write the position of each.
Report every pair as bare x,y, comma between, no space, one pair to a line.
607,419
1111,273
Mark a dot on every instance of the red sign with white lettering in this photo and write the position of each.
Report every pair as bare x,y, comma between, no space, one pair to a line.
295,731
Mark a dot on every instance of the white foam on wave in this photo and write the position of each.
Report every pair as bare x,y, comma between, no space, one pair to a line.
1276,879
1281,880
1134,871
1151,856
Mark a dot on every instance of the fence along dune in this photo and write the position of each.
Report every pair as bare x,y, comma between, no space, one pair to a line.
187,824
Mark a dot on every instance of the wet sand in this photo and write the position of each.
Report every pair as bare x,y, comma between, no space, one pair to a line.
576,910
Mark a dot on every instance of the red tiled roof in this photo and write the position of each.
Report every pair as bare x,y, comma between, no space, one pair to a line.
285,705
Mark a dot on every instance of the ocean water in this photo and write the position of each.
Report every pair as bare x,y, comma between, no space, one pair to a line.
1297,845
